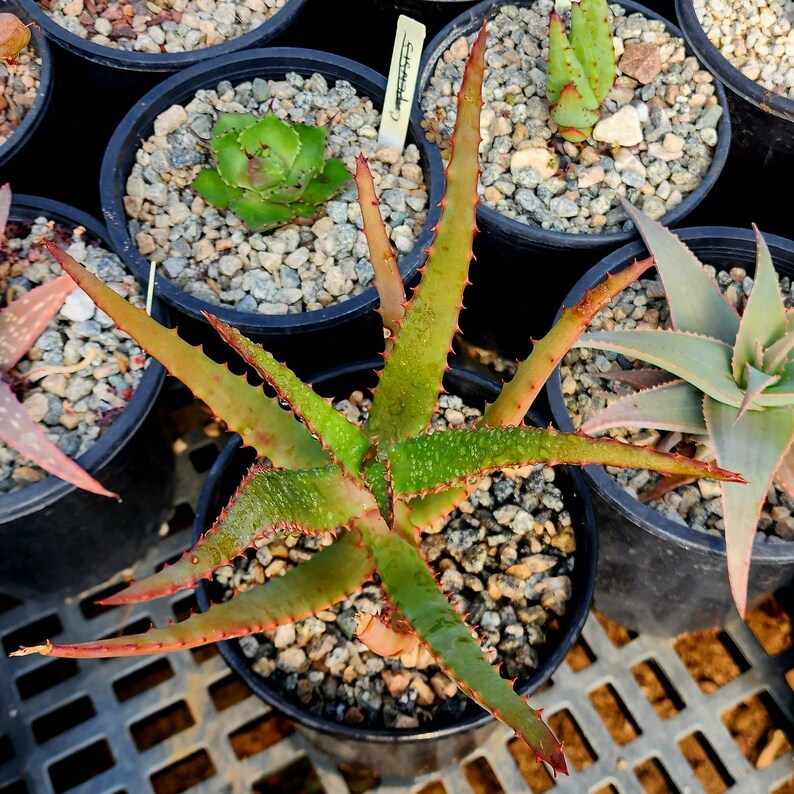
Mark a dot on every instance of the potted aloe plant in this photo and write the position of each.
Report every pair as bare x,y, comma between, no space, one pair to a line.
698,360
375,485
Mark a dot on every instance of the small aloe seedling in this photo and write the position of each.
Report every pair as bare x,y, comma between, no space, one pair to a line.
730,383
21,324
379,485
581,68
268,171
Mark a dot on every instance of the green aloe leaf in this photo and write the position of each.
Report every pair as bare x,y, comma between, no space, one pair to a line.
696,303
439,459
232,122
756,382
411,587
564,68
754,444
264,173
572,116
764,318
705,363
231,161
327,578
209,185
274,135
675,407
409,384
346,443
780,393
309,161
268,500
247,410
591,39
325,184
260,215
776,355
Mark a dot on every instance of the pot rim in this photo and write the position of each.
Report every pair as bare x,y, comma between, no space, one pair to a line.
491,220
42,100
567,636
751,91
239,66
32,498
649,519
162,62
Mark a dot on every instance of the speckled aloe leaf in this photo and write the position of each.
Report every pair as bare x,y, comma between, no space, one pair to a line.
22,433
411,380
591,39
346,443
247,410
209,185
268,500
676,407
763,320
696,303
411,587
327,578
518,395
388,281
753,443
435,460
704,362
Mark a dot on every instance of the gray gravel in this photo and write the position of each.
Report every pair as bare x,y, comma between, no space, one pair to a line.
82,370
19,84
653,144
754,36
505,556
299,267
643,305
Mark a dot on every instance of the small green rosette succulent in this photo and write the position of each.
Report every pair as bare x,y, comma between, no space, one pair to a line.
268,171
375,486
581,68
730,384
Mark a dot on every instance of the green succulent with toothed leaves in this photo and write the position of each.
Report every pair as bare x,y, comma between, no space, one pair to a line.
581,68
730,383
268,171
380,485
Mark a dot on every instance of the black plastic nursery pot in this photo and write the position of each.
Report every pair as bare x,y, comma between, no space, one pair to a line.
763,120
657,576
529,266
433,746
26,131
307,341
57,539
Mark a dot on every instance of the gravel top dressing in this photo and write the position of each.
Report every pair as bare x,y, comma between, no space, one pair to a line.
19,84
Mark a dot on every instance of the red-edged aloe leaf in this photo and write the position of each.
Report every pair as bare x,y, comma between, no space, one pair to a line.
381,635
666,484
411,587
572,114
20,432
784,474
591,39
327,578
388,282
23,321
346,443
564,68
703,362
754,444
247,410
5,208
777,353
696,303
411,380
437,459
268,500
517,396
676,406
764,318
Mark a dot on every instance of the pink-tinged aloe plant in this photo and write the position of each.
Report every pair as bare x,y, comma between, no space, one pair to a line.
21,324
379,485
726,378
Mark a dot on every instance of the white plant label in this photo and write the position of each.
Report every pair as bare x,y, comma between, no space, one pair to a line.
401,87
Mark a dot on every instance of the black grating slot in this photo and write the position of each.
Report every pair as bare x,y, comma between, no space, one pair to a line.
203,457
6,749
45,677
62,719
15,787
161,726
297,777
89,607
184,774
33,633
182,518
142,679
81,766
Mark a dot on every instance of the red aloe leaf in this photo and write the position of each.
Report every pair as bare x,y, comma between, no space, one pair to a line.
383,637
388,281
267,500
23,321
327,578
20,432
